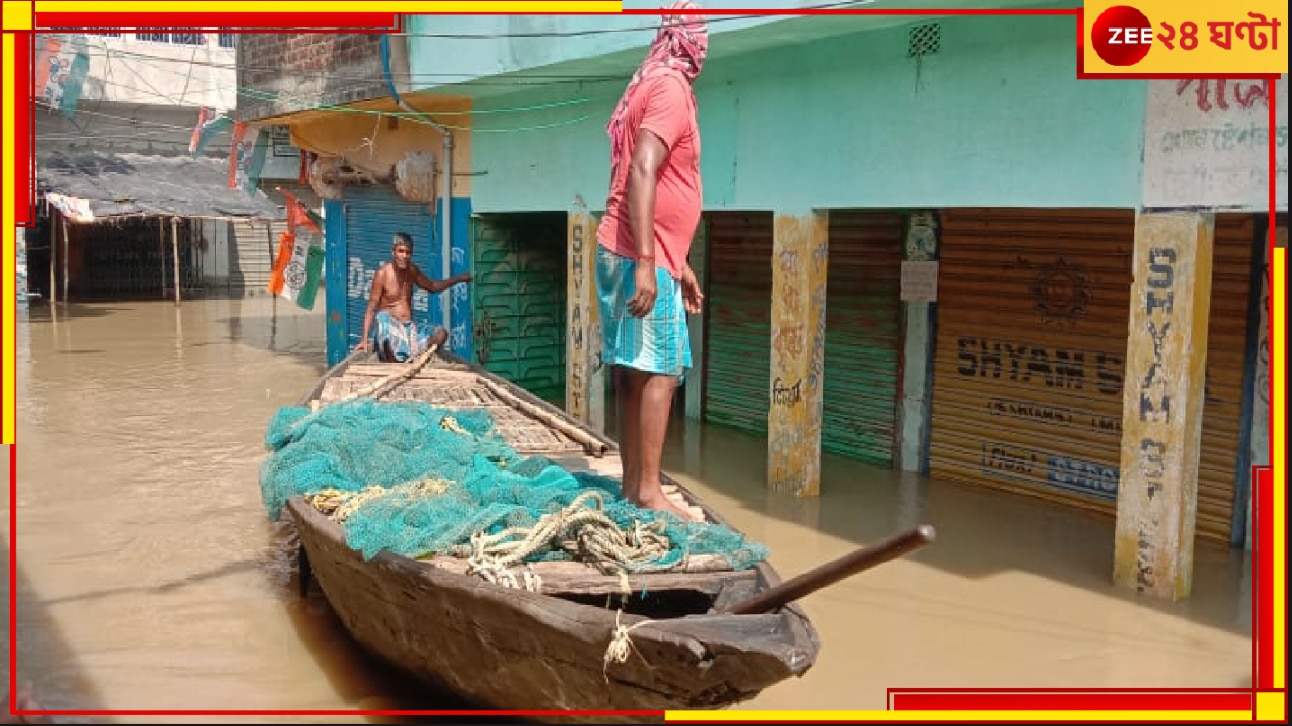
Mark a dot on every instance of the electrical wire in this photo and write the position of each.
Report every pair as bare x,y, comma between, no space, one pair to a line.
714,16
140,122
521,76
711,19
497,36
260,94
257,94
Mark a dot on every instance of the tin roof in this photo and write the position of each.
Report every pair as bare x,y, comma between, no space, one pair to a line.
90,187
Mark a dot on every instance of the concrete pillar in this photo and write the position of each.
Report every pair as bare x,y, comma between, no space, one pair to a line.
919,299
694,390
1166,358
799,264
584,375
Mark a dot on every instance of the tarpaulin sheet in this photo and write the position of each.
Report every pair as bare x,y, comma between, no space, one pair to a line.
90,187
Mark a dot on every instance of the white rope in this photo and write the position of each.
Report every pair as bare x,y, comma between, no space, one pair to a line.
585,533
621,645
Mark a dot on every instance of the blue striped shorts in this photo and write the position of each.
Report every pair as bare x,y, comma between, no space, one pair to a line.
658,343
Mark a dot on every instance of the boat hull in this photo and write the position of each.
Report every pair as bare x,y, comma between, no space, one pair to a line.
511,649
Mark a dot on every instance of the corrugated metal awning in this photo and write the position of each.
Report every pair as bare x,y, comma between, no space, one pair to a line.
92,187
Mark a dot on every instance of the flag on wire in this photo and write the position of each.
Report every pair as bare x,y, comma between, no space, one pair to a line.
299,214
298,268
209,123
247,158
61,69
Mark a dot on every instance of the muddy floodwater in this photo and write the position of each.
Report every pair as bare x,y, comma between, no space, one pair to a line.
149,576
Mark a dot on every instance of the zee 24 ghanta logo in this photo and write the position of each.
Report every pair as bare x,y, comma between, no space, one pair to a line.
1123,35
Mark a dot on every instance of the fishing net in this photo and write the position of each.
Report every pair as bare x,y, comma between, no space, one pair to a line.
417,480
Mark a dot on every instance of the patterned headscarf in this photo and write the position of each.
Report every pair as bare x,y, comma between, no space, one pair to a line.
680,45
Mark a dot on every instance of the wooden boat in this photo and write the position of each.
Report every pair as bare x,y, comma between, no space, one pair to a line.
506,648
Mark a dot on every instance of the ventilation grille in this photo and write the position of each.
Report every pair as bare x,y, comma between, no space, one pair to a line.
925,40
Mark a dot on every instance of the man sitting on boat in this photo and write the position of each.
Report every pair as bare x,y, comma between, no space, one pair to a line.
390,306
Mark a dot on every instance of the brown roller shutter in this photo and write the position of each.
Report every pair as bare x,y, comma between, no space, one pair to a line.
1222,419
1033,310
738,347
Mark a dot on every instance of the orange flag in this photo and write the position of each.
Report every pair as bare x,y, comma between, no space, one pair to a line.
286,241
298,214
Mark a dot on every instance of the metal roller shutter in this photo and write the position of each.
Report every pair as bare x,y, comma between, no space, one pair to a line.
738,349
1222,420
254,248
1033,309
863,333
519,294
372,217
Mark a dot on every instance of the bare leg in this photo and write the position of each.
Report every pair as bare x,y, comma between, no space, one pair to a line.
656,400
628,396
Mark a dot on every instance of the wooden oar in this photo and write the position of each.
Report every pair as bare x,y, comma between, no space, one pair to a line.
836,570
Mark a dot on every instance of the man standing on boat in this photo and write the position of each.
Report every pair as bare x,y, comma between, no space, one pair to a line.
390,305
644,282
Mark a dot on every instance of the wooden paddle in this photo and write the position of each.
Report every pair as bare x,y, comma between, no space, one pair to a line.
836,570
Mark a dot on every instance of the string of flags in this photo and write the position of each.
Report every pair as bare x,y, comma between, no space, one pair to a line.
247,152
298,263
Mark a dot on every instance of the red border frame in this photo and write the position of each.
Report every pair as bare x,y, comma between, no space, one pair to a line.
1072,700
899,699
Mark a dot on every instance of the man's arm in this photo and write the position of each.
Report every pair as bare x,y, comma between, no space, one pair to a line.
643,173
663,123
374,299
437,286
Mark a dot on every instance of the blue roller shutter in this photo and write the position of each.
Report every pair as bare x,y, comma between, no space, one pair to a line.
372,217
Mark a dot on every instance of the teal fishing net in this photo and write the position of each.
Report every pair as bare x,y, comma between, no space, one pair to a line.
446,475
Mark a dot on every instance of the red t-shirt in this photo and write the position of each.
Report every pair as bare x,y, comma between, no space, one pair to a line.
665,106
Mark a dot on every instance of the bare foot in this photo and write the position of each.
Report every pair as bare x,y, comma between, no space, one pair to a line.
674,495
664,503
695,514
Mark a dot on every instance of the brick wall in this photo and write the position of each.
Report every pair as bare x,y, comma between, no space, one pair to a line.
284,73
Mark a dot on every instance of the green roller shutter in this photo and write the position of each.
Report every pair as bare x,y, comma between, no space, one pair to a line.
519,289
863,334
738,349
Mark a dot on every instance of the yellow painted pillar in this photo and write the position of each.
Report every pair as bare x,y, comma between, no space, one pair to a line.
584,374
1166,358
799,263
